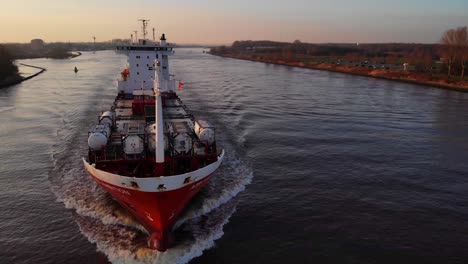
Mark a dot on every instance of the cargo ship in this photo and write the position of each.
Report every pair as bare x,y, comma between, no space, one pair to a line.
148,151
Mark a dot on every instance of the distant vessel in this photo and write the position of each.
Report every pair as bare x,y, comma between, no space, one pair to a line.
148,151
75,70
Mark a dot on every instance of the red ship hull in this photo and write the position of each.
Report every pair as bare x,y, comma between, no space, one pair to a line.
156,211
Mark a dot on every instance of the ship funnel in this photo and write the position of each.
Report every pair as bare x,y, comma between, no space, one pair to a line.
163,40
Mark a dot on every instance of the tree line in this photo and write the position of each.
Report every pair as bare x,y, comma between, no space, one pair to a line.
450,55
7,67
422,55
47,50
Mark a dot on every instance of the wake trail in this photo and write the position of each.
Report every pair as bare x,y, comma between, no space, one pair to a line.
118,235
105,223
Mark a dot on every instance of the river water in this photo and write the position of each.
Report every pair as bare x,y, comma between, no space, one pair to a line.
321,168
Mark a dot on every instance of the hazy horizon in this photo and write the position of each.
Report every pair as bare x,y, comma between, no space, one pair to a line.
212,23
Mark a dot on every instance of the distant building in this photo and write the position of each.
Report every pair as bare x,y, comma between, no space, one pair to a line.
37,44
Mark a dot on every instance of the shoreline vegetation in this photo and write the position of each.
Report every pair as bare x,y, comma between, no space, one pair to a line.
436,65
393,75
9,53
17,78
8,70
9,74
37,48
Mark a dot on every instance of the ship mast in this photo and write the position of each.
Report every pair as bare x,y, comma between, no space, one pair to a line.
159,148
144,23
159,123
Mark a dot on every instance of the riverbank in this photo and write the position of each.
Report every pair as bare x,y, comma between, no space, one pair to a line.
18,78
12,80
393,75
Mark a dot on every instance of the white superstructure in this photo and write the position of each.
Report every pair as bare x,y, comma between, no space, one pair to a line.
148,66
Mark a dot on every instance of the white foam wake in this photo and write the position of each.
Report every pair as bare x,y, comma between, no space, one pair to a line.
126,245
84,196
232,179
118,235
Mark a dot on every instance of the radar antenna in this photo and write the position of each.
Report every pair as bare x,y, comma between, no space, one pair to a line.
143,27
136,35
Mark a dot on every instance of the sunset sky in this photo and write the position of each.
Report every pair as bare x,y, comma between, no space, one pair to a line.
222,22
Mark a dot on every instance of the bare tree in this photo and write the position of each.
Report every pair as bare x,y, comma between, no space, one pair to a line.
462,48
449,41
455,42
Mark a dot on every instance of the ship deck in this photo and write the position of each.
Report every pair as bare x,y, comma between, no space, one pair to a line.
133,115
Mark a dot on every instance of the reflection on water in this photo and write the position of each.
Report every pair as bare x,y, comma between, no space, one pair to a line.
347,169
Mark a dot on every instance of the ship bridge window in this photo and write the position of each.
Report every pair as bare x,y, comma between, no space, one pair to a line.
138,73
138,64
147,57
137,57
